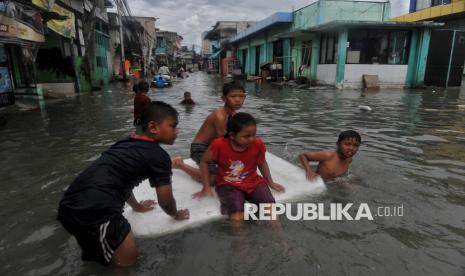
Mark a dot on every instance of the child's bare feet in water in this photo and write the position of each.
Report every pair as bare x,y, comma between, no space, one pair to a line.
177,162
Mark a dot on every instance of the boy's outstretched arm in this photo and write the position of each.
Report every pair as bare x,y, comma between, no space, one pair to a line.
306,157
142,206
205,176
168,204
265,171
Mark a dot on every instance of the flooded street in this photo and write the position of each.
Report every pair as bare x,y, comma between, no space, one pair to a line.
412,155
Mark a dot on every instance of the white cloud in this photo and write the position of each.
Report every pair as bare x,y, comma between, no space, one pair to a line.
192,17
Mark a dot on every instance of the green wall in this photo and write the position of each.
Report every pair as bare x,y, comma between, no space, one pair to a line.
83,83
315,14
418,55
423,56
269,51
102,42
251,69
265,41
341,57
325,11
52,40
262,53
315,56
297,53
287,57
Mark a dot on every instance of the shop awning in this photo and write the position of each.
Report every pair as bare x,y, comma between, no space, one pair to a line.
20,24
65,25
216,54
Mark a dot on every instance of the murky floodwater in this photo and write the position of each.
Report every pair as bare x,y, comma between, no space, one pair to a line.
413,154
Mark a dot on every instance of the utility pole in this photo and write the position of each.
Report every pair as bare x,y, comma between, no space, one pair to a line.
123,64
89,22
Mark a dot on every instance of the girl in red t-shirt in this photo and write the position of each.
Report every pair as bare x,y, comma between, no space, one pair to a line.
238,155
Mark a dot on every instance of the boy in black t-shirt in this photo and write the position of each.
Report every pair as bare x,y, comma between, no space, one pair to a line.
92,206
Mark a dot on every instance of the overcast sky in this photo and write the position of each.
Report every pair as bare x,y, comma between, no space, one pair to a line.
191,17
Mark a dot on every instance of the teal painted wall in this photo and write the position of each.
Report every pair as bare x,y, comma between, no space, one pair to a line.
350,10
258,40
101,64
251,68
306,17
262,54
287,57
296,53
422,56
269,52
83,83
412,60
341,57
315,14
325,11
315,56
265,41
52,40
419,46
242,46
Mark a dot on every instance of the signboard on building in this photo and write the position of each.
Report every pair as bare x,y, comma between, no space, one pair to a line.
65,27
19,22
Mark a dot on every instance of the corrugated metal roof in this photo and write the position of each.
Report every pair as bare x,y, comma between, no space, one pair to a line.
277,18
372,24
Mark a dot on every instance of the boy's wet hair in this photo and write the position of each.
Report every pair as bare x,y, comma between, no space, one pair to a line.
135,88
239,121
157,111
143,86
234,85
349,134
187,94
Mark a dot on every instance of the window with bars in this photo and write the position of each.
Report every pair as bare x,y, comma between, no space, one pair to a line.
378,47
306,53
328,49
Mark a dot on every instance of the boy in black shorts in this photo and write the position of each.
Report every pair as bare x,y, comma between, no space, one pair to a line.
91,208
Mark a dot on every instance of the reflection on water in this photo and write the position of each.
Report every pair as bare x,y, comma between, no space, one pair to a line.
412,154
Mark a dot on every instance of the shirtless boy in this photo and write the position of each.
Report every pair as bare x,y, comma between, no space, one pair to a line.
213,127
333,163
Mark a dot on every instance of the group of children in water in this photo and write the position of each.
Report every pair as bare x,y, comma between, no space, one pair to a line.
226,149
